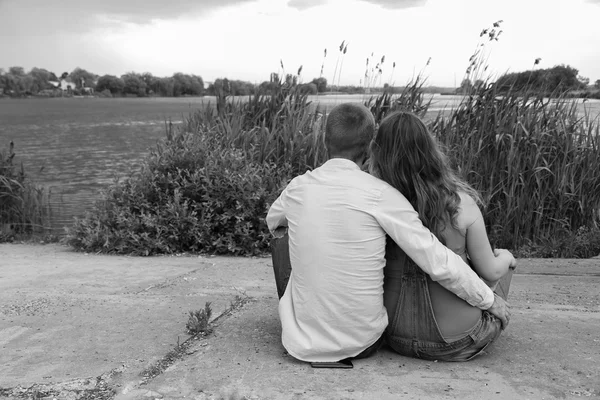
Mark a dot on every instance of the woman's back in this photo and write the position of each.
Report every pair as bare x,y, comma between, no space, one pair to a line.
455,316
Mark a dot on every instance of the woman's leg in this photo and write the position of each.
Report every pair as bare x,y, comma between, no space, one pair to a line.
413,329
490,328
487,331
503,285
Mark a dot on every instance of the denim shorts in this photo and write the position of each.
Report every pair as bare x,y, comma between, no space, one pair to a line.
483,334
413,330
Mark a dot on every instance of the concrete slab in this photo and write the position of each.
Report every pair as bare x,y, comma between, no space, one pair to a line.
550,351
65,315
86,326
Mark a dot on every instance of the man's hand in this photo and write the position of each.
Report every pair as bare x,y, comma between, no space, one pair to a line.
500,309
280,232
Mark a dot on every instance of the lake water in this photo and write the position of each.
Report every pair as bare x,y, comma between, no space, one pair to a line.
75,147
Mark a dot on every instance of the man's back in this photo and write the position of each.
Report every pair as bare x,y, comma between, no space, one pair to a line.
333,305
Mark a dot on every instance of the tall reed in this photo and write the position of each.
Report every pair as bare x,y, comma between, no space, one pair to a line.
411,99
281,127
24,207
536,162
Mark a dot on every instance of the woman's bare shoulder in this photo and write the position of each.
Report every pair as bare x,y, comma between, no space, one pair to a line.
469,210
466,199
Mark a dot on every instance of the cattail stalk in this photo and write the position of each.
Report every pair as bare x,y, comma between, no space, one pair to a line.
337,62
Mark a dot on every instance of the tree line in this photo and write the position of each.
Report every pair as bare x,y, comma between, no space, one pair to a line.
550,81
39,81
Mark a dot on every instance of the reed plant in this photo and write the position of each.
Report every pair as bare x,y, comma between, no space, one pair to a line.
24,206
280,127
535,161
411,99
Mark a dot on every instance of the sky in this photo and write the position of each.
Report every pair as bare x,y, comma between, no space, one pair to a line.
249,39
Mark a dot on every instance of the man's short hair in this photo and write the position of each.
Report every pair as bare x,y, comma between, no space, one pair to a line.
349,129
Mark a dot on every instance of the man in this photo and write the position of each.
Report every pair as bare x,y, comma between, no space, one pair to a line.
337,218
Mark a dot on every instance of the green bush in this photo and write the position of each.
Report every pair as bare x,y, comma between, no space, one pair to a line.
207,186
104,93
192,195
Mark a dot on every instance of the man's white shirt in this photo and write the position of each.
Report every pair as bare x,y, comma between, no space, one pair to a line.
337,218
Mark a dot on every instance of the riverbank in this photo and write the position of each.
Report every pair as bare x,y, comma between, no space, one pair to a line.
75,325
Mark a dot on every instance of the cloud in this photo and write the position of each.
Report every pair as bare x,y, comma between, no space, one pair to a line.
393,4
399,4
305,4
127,10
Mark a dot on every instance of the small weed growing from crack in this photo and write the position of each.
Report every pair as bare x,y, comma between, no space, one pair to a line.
198,322
198,325
237,301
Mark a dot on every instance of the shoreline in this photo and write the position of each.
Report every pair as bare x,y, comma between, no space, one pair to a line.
595,96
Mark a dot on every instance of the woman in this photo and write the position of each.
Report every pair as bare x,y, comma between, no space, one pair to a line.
426,320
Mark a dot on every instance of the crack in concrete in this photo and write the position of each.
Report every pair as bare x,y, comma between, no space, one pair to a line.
167,282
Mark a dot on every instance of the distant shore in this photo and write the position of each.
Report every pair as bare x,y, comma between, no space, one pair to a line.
577,95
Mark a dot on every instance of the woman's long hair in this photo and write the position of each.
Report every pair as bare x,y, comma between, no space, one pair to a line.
406,155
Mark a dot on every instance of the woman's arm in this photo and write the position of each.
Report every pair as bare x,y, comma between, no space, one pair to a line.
490,264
